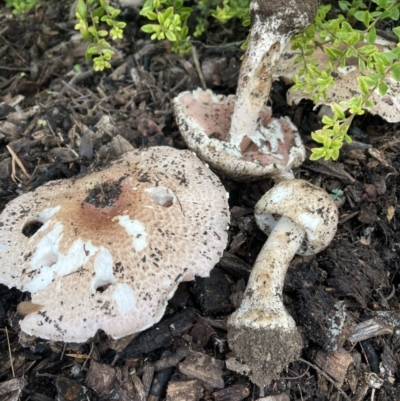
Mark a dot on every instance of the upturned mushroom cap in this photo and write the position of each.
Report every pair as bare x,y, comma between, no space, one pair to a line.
307,205
108,249
204,121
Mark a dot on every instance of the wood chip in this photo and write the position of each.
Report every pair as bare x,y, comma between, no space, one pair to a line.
236,392
101,378
184,391
203,367
335,364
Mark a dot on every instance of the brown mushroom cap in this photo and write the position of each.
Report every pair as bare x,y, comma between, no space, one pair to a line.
108,249
307,205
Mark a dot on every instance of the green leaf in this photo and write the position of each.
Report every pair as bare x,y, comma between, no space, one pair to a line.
371,37
395,70
396,31
170,35
383,88
368,104
336,144
92,49
317,153
366,18
359,15
168,12
338,110
318,136
151,15
102,33
394,13
332,52
81,9
363,85
335,154
150,28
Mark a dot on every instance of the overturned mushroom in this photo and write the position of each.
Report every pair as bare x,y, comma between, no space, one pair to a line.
261,333
239,136
108,249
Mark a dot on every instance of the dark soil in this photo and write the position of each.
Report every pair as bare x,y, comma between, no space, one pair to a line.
55,123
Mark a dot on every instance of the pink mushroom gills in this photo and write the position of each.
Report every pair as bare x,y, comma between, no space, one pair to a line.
108,249
238,136
299,218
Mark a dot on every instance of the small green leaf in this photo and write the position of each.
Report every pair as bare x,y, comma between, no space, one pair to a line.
318,136
151,15
81,9
395,70
317,153
150,28
170,35
338,110
371,37
363,85
383,88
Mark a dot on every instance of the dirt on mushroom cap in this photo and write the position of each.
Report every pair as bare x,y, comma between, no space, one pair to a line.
107,250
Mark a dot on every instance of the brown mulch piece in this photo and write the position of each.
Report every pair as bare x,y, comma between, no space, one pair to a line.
56,123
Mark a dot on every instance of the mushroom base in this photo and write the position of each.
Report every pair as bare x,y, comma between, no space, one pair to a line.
264,351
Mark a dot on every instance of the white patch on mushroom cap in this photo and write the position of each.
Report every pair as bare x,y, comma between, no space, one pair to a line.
280,194
136,230
125,298
310,222
103,269
45,214
48,260
162,196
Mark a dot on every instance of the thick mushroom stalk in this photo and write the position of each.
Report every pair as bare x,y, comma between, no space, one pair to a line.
238,136
273,23
261,333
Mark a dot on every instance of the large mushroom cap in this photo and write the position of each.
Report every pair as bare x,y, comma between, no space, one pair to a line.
108,249
307,205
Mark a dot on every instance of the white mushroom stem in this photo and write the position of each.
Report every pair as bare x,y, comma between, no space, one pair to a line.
263,294
273,23
254,84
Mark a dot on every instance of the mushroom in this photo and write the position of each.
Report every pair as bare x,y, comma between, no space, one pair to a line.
108,249
299,218
238,136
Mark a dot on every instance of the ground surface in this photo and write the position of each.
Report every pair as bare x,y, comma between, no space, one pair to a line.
55,123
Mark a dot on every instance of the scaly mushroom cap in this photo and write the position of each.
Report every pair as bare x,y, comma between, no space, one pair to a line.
108,249
307,205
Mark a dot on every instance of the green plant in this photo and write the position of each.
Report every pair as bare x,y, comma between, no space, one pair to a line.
336,194
93,18
22,6
170,18
340,41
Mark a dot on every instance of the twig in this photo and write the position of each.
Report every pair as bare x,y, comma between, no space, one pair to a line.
9,353
345,396
16,158
198,67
